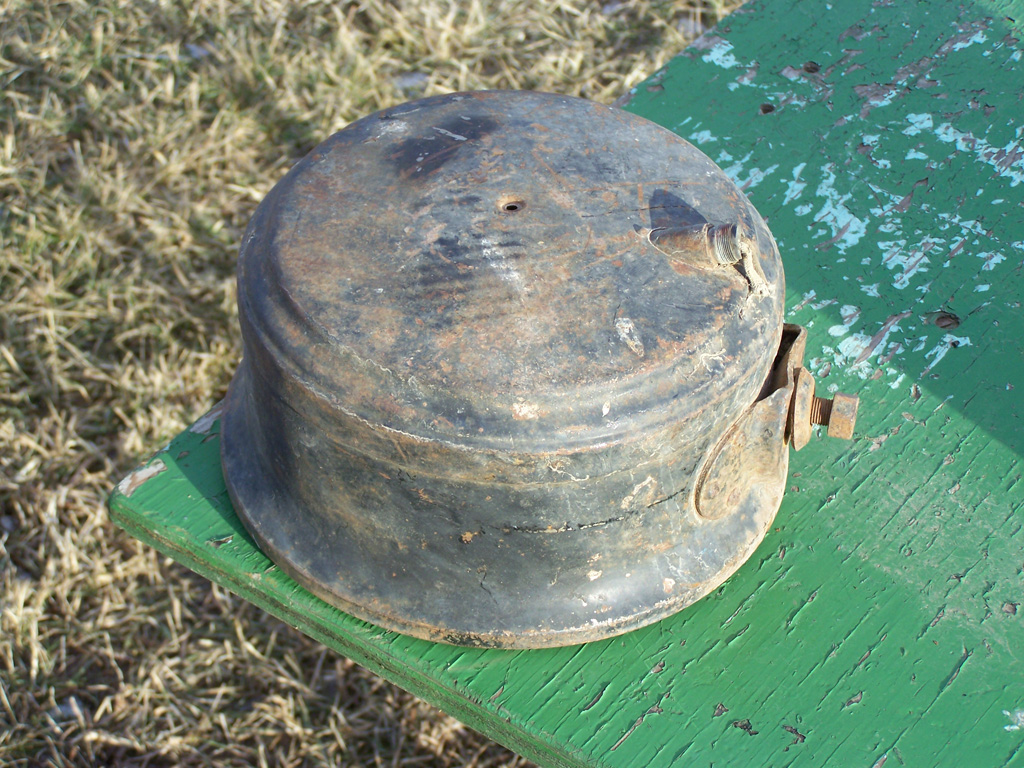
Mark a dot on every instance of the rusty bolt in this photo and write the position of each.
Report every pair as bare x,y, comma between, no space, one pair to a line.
725,243
699,245
838,414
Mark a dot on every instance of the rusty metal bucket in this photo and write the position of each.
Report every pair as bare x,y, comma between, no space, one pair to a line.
515,372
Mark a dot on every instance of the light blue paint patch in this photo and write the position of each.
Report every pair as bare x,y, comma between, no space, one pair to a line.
1016,720
1008,161
990,259
848,314
752,177
702,137
720,54
795,187
847,229
936,353
978,37
919,122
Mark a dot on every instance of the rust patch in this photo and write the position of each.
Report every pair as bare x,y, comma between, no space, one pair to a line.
744,725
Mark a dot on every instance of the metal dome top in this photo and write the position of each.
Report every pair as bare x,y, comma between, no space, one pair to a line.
474,266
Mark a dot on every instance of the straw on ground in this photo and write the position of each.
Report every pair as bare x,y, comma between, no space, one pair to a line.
137,138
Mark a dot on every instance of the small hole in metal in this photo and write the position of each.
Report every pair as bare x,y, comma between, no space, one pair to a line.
767,109
811,67
512,206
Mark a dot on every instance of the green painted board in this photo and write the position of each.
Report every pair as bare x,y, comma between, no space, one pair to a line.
882,619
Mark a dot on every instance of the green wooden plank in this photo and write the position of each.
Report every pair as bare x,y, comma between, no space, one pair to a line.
881,619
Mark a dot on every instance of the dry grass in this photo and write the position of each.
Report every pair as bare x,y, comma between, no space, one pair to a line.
136,140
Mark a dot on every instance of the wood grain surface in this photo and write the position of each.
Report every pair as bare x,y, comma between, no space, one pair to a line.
882,619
